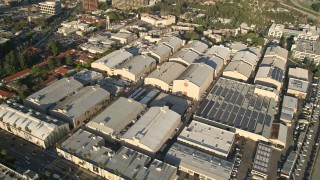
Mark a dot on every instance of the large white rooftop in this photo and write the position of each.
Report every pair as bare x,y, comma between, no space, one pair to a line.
196,73
114,59
167,72
207,138
19,116
196,46
299,73
219,51
137,64
153,127
117,116
186,57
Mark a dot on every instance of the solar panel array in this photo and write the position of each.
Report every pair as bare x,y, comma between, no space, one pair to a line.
234,104
262,158
276,74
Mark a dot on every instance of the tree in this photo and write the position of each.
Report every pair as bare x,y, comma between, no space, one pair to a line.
36,69
4,152
54,47
47,173
69,60
51,63
316,7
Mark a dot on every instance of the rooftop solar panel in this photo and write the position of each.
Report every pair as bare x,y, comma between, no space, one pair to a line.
252,124
207,109
202,106
240,100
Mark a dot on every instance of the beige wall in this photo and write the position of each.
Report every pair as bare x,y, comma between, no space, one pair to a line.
158,83
101,67
298,94
268,82
250,135
234,75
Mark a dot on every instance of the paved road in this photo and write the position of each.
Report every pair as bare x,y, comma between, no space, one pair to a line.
301,11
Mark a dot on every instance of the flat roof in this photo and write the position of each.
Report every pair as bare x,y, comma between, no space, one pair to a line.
113,119
234,104
219,51
289,163
198,161
128,162
262,158
207,136
186,56
175,103
290,102
167,72
298,85
277,51
41,125
55,92
299,73
137,64
124,35
114,59
196,46
311,47
87,75
196,73
151,129
88,146
158,170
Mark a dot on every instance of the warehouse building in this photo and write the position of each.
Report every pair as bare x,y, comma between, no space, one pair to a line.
158,170
289,164
233,105
194,81
213,61
198,163
136,68
175,103
52,94
113,120
88,77
158,20
152,130
260,167
87,151
298,73
196,46
184,57
278,136
127,163
81,106
307,49
111,61
207,138
289,109
35,127
221,52
164,76
241,66
266,91
172,42
298,88
124,37
160,52
236,47
278,52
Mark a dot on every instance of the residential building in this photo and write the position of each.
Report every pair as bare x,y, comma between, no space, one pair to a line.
35,127
172,42
111,61
207,138
234,106
298,88
88,77
71,27
5,95
241,66
90,5
307,33
260,167
221,52
124,37
158,20
113,120
198,163
51,95
50,7
152,130
129,4
81,106
160,52
306,49
19,75
196,46
136,68
184,57
164,75
194,81
289,109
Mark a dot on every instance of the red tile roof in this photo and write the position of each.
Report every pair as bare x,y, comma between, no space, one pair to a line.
43,63
17,75
5,94
63,70
70,52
